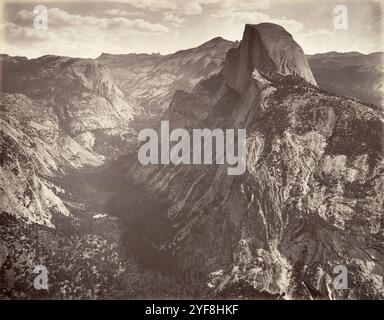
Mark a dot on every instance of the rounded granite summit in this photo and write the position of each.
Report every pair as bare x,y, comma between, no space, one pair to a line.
269,48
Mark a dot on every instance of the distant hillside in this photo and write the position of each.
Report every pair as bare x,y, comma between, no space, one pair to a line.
351,74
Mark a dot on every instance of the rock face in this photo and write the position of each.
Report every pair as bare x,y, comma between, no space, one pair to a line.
268,48
34,150
26,156
57,114
81,93
310,200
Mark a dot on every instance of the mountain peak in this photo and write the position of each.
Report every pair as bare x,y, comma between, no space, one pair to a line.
269,48
214,41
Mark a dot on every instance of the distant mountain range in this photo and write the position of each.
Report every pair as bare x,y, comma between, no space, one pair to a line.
150,80
351,74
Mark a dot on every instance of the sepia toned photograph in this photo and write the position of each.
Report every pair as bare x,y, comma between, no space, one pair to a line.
192,150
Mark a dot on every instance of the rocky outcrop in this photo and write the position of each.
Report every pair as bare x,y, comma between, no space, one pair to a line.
310,200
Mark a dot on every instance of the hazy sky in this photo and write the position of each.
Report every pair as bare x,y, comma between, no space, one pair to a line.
87,28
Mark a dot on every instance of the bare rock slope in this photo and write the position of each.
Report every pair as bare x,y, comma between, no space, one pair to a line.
57,114
310,200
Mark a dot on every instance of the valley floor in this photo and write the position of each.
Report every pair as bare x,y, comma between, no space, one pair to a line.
85,257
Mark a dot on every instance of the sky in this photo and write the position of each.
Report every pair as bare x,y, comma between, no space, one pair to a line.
88,28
